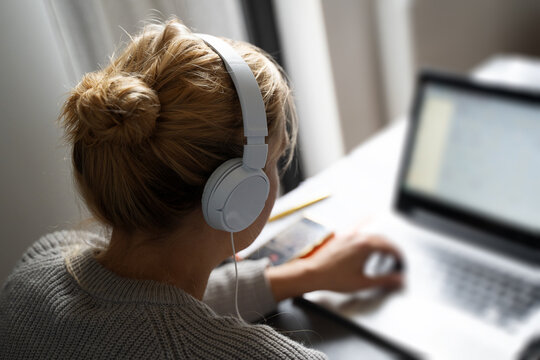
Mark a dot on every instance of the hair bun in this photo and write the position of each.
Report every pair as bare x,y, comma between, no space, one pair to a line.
115,108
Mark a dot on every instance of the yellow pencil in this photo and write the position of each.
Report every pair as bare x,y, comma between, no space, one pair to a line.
296,208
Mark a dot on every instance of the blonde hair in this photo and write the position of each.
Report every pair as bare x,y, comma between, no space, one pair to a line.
149,129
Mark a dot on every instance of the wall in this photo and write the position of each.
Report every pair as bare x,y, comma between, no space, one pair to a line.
350,63
354,51
458,35
307,61
36,191
91,30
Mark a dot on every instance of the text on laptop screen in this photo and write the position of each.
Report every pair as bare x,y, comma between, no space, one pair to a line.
479,152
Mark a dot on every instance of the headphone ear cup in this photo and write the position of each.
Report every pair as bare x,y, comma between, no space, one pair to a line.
234,196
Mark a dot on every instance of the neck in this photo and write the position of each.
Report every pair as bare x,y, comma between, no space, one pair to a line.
185,258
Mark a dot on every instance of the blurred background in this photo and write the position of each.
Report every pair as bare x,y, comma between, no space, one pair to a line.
352,64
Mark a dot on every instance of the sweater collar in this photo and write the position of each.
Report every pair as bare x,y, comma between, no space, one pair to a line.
100,282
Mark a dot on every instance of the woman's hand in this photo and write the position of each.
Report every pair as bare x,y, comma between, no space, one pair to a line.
338,266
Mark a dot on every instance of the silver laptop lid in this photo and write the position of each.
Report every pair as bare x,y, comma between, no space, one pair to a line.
472,162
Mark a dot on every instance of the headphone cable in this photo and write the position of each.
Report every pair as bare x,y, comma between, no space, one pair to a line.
236,282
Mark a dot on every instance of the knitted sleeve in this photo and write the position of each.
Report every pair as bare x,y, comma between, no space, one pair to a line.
255,298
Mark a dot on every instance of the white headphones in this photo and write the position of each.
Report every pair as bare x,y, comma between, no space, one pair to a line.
236,192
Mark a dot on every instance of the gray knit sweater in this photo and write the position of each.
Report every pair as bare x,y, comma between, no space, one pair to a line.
89,312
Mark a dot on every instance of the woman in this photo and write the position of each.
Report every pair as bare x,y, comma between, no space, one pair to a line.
147,131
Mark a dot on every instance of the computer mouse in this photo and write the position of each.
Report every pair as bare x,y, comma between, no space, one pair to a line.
379,264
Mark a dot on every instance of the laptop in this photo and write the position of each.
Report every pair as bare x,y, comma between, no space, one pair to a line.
466,215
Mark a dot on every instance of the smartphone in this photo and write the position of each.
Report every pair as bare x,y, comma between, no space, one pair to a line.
296,241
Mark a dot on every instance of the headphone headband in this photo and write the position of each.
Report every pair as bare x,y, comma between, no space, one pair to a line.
251,102
236,192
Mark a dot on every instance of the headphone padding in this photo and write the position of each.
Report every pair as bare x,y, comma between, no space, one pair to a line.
234,196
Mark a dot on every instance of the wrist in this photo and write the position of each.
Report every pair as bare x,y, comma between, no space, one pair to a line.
291,279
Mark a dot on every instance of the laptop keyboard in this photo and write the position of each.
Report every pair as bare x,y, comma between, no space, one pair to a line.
495,296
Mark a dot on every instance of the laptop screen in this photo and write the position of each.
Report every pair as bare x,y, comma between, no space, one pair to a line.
473,154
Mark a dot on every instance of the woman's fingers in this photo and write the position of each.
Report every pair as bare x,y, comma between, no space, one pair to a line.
390,281
378,243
